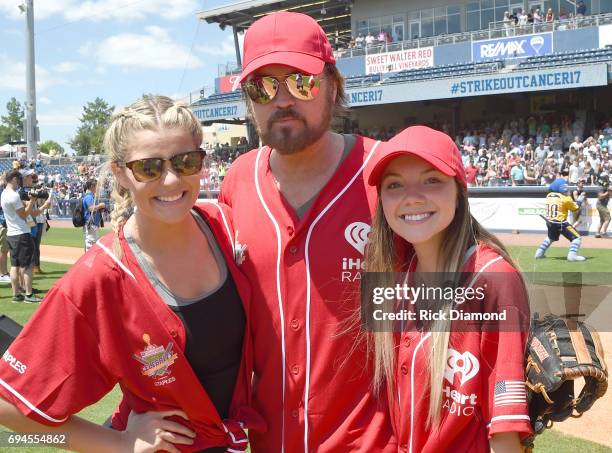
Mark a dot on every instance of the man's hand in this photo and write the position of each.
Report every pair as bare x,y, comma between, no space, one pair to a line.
151,431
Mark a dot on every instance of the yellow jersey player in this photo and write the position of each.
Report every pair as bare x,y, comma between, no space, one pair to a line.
558,205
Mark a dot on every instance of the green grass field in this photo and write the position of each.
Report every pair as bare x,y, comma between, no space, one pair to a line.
549,442
67,237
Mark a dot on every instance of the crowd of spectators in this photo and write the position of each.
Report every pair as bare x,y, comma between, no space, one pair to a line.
525,151
537,20
535,151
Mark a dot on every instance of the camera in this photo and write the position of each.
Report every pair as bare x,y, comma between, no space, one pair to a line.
38,191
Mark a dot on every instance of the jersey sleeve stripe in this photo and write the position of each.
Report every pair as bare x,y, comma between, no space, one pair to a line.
500,418
114,258
30,405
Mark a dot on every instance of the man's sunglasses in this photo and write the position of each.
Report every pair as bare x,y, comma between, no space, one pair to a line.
262,90
150,169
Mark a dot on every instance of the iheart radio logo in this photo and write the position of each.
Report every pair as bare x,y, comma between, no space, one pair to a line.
466,365
356,234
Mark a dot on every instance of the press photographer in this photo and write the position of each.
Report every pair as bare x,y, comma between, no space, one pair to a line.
39,195
19,238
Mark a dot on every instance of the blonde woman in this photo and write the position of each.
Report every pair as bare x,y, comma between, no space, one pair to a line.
450,388
158,307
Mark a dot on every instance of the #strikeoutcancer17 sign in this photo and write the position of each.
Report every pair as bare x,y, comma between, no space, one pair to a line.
513,47
220,111
401,60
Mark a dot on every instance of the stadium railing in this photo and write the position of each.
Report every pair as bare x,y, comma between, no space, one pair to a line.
496,30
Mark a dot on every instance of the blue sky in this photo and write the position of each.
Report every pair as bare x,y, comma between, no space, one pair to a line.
114,49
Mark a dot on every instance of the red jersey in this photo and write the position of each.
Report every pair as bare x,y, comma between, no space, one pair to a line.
312,380
483,386
104,323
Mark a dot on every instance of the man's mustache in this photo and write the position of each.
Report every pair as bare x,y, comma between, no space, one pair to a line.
284,114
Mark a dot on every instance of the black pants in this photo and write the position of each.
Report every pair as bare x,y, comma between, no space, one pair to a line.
37,239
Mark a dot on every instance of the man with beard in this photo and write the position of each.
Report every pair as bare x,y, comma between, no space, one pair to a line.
302,212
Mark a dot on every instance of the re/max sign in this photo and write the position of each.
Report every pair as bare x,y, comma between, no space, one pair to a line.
359,97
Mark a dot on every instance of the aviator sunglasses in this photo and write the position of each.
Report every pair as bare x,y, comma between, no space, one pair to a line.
262,89
150,169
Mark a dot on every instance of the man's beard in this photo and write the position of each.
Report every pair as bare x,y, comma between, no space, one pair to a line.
287,140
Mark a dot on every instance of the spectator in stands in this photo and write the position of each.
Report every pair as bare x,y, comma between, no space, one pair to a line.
540,153
382,38
562,14
576,172
537,17
581,10
19,238
360,41
530,175
369,40
550,16
517,174
508,24
92,214
470,172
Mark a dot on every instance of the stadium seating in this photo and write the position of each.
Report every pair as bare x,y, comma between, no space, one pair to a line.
568,58
453,70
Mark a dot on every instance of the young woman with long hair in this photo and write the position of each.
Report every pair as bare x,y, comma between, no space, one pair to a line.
158,306
451,387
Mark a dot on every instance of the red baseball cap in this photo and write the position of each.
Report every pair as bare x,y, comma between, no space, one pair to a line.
432,146
290,39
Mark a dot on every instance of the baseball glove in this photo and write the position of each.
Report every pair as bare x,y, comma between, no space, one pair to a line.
560,351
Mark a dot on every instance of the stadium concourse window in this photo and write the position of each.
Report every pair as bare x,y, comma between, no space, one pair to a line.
605,6
392,26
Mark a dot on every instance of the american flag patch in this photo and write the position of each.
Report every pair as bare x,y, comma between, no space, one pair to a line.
510,392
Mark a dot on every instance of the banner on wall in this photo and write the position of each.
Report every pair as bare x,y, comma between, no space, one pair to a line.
481,85
213,112
513,47
605,36
400,60
230,83
523,214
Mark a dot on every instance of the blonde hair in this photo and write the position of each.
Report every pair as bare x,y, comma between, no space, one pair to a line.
382,259
151,113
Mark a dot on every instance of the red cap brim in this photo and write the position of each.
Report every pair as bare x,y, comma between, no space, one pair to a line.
377,172
300,61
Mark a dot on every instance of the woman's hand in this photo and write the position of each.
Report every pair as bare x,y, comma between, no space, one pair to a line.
151,431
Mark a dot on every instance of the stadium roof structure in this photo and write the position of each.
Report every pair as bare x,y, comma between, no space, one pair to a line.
333,15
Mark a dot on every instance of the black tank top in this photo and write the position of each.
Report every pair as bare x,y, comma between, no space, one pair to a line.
214,329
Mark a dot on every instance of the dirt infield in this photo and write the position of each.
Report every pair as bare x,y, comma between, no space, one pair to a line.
594,425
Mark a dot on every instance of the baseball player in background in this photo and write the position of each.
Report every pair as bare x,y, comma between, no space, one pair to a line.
558,205
451,388
158,307
302,212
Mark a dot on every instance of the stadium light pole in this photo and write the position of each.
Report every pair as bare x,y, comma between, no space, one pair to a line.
31,129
